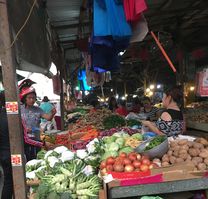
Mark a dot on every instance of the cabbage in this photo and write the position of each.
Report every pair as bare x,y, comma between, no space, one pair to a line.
137,136
120,142
127,149
108,154
109,140
113,147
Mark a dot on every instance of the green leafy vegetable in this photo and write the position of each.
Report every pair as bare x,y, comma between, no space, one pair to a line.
113,121
127,150
155,142
137,136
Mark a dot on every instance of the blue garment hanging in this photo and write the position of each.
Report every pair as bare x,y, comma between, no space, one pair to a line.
110,21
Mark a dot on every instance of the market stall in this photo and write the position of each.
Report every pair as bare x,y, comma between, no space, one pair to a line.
113,160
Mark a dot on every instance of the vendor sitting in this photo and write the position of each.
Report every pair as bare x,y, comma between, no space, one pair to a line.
170,122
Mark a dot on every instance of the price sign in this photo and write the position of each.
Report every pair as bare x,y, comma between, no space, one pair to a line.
16,160
12,107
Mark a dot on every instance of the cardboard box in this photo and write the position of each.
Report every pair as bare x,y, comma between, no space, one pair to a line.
180,171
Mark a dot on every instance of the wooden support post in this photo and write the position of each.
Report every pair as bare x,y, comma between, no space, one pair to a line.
9,80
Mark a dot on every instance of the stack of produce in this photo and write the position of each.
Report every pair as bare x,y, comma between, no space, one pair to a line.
126,163
194,152
78,137
94,118
62,175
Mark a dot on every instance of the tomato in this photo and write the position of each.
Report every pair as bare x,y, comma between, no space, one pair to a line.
109,167
110,160
102,165
139,157
146,161
126,161
129,168
144,167
123,155
137,163
132,157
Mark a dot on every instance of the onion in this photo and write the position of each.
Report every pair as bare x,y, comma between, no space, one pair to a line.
123,155
137,164
132,157
109,167
118,167
139,157
129,168
102,165
110,160
126,161
146,161
144,167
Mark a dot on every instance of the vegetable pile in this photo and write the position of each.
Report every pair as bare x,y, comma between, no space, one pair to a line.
63,175
113,121
155,142
194,152
94,118
126,163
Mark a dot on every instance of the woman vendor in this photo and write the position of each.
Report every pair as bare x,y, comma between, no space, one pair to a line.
170,122
31,116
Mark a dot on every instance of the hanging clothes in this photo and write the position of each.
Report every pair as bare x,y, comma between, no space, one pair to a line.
133,9
110,20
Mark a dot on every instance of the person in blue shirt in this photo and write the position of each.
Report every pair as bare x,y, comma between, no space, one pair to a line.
47,107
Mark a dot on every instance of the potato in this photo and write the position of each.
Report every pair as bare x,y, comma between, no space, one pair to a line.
173,144
193,152
175,153
204,154
182,151
169,153
202,141
165,164
176,148
184,147
183,156
198,145
202,166
206,161
190,143
198,159
195,162
182,142
172,159
165,158
188,157
179,160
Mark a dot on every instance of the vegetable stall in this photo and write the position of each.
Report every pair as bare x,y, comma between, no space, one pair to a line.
107,158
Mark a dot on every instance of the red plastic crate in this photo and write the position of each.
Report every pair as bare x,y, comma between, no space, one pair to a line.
130,175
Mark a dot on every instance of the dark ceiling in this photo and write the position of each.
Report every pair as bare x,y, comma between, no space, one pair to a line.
181,26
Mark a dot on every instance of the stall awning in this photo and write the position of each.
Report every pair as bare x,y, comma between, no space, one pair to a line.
32,45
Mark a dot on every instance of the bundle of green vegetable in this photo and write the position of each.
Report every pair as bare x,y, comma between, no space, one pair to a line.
114,121
63,175
155,142
133,122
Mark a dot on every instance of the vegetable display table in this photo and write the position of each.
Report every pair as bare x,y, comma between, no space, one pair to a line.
158,188
197,126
